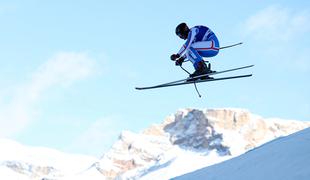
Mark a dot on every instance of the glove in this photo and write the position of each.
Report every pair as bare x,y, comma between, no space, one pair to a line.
173,57
179,61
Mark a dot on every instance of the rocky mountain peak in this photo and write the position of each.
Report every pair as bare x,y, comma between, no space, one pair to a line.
192,129
227,132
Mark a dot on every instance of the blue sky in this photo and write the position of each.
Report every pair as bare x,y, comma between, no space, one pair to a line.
68,68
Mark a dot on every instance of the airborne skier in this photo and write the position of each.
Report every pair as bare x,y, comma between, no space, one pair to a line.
200,42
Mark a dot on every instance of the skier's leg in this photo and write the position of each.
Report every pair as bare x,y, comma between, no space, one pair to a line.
206,48
196,59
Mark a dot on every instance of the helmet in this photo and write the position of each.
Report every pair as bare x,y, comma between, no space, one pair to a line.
182,30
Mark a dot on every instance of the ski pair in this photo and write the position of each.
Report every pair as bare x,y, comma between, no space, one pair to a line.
193,79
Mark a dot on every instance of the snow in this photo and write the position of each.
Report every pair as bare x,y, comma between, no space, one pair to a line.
235,129
173,163
187,141
91,174
9,174
285,158
28,157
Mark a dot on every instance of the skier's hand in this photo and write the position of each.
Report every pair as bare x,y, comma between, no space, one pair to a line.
173,57
179,61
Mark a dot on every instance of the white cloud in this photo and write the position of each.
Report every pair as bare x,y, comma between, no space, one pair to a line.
62,69
280,37
276,23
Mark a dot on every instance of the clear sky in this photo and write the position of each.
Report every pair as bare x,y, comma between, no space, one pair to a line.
68,68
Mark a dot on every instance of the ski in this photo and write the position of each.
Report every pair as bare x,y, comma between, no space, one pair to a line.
200,76
191,82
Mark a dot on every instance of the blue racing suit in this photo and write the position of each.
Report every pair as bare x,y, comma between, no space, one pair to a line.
201,42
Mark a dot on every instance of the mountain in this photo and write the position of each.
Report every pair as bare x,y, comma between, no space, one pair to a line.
185,141
22,162
189,140
284,158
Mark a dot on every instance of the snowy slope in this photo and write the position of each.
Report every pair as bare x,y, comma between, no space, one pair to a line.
286,158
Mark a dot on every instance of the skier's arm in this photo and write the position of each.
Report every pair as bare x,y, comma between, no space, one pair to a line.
189,41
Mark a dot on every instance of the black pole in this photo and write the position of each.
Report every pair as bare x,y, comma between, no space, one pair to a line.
194,81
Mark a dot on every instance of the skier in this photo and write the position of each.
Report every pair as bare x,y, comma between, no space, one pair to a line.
200,42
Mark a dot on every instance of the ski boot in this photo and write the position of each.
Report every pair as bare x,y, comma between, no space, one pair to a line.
209,68
201,70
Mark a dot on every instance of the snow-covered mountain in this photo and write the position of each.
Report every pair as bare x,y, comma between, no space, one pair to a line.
185,141
191,139
19,162
284,158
